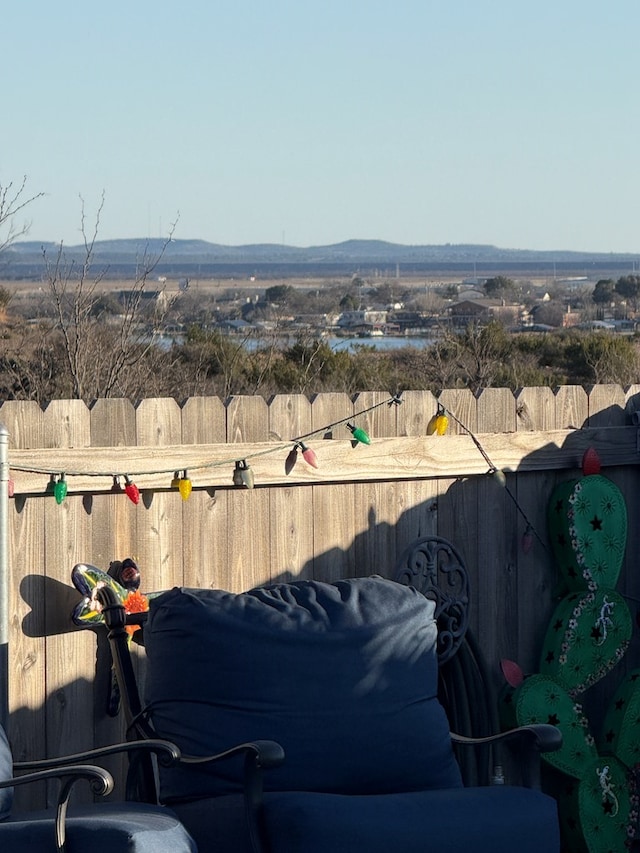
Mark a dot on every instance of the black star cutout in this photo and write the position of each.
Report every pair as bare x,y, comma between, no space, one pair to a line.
610,736
596,633
619,704
550,657
607,807
553,720
557,626
596,523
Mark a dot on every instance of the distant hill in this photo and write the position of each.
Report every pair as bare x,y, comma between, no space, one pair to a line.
191,257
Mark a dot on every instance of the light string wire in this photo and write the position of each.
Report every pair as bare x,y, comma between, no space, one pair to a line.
492,470
396,399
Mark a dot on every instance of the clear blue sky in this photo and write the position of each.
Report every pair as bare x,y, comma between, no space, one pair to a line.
412,121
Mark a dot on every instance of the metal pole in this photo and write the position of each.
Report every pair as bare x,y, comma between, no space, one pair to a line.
4,575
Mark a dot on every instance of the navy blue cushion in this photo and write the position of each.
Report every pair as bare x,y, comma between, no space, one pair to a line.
103,828
497,819
343,675
6,772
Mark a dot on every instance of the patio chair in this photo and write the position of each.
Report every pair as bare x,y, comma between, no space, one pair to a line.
101,828
344,677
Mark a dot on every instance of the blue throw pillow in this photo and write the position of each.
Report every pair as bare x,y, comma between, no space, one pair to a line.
6,772
342,675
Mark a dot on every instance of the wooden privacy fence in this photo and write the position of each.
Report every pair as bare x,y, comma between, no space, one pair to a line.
353,515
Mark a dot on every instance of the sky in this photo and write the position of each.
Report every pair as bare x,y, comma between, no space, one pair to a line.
268,121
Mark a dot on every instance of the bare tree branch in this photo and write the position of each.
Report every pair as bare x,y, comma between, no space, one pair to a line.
13,199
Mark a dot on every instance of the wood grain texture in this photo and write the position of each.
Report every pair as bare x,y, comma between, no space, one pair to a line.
339,460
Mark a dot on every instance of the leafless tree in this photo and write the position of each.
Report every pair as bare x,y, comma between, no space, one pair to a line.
103,359
14,198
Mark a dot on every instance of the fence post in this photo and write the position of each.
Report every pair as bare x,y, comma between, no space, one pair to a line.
4,575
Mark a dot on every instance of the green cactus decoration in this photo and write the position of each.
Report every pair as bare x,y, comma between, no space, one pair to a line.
588,634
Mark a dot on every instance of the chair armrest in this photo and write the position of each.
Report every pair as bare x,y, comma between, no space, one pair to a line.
262,753
259,755
167,752
529,741
101,782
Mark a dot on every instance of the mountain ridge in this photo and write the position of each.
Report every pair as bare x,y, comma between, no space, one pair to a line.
354,249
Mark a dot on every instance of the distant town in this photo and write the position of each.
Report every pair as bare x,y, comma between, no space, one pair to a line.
361,289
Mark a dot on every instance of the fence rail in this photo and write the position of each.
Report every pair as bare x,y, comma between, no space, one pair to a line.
353,515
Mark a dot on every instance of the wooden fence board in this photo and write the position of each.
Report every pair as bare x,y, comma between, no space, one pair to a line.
247,420
67,424
23,420
203,421
416,412
291,522
537,576
248,545
376,512
204,543
572,407
379,422
334,507
606,406
159,516
496,411
463,406
113,423
289,417
67,539
535,409
417,510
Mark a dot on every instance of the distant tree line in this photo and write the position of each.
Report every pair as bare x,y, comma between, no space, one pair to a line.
209,362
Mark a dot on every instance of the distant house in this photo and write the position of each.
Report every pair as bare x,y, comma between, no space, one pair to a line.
360,319
234,327
484,311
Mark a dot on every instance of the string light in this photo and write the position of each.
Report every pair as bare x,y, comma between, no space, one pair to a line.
527,539
133,493
308,454
243,475
290,461
439,422
359,435
184,486
500,477
60,489
131,490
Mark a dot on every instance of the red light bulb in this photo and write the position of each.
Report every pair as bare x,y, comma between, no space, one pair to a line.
131,491
309,455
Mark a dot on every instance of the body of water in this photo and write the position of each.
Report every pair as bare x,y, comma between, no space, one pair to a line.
379,343
339,344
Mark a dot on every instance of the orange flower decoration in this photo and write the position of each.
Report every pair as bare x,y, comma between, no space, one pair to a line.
135,602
